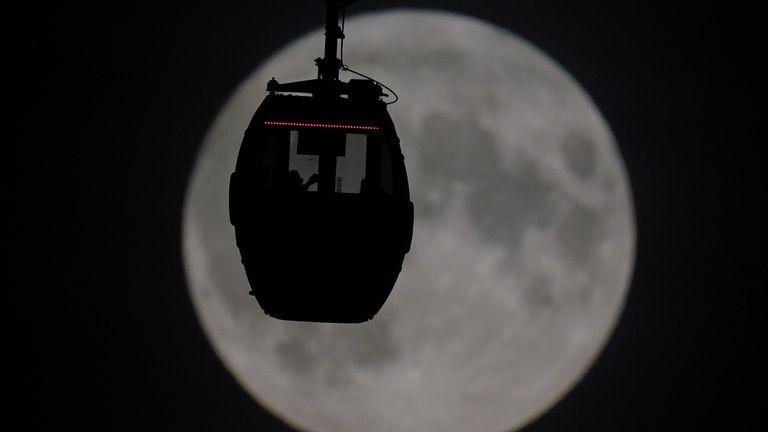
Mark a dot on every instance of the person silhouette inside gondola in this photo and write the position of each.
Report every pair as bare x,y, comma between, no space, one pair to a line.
295,183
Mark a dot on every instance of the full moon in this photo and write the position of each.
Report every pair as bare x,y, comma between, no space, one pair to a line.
522,251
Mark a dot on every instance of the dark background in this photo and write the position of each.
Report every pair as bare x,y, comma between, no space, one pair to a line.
112,105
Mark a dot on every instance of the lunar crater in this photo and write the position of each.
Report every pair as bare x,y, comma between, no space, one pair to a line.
335,350
580,154
455,148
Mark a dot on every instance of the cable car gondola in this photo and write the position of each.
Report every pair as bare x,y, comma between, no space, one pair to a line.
319,197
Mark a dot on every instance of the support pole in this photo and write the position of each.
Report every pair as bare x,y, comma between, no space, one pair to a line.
329,65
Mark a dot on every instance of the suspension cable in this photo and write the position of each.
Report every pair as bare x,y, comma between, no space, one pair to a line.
346,68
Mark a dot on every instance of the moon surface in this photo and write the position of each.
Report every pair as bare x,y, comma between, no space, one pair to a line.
522,251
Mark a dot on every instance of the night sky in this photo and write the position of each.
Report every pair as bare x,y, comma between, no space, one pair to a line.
113,104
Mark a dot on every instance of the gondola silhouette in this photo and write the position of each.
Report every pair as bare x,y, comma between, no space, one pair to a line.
319,197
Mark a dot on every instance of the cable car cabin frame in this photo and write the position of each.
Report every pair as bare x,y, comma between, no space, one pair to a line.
320,204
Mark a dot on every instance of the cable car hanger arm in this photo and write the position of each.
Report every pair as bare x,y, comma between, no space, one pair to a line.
328,84
329,65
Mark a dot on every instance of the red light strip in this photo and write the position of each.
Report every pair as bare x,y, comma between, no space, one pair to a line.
321,125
